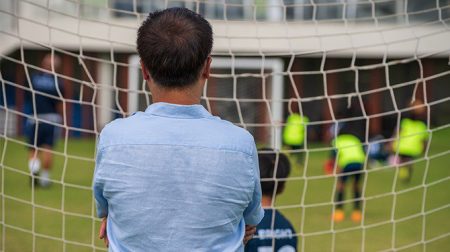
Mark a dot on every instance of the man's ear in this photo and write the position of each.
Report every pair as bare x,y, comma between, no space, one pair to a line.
145,72
207,68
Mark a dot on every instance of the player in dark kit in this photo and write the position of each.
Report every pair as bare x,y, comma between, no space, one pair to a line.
274,229
40,128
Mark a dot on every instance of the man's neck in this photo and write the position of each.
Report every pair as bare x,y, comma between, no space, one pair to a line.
186,96
176,98
266,201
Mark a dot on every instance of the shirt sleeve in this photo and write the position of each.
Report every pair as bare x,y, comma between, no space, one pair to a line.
254,212
100,200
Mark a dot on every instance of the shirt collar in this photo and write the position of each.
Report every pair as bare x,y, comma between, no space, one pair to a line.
177,111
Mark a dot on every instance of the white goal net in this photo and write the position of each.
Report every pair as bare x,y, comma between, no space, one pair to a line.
366,63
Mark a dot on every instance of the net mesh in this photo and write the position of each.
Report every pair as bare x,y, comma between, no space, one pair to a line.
271,58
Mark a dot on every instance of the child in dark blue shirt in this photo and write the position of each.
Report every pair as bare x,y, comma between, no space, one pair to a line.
274,232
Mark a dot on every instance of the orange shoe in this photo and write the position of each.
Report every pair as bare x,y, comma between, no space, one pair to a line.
338,215
356,216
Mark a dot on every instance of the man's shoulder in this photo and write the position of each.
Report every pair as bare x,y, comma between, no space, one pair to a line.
120,124
113,126
230,128
116,128
227,133
208,132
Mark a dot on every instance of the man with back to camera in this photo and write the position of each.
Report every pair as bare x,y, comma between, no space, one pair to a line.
176,178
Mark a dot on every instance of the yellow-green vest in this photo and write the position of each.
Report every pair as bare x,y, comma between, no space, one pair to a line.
412,135
349,150
295,129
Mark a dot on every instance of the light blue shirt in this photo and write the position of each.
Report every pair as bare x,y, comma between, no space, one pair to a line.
176,178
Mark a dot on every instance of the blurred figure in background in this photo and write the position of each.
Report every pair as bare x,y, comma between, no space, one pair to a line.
412,138
349,155
294,133
41,131
274,226
377,151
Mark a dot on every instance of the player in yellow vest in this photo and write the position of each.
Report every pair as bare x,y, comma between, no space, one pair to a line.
294,133
350,158
411,140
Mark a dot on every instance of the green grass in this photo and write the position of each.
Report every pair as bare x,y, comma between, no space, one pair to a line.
396,215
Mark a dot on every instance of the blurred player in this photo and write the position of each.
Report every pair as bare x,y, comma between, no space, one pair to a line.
412,139
350,157
45,102
294,133
377,151
281,230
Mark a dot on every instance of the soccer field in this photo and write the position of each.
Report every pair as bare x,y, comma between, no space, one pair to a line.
396,214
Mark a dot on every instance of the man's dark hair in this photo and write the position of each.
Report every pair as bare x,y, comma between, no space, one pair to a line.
173,45
268,164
